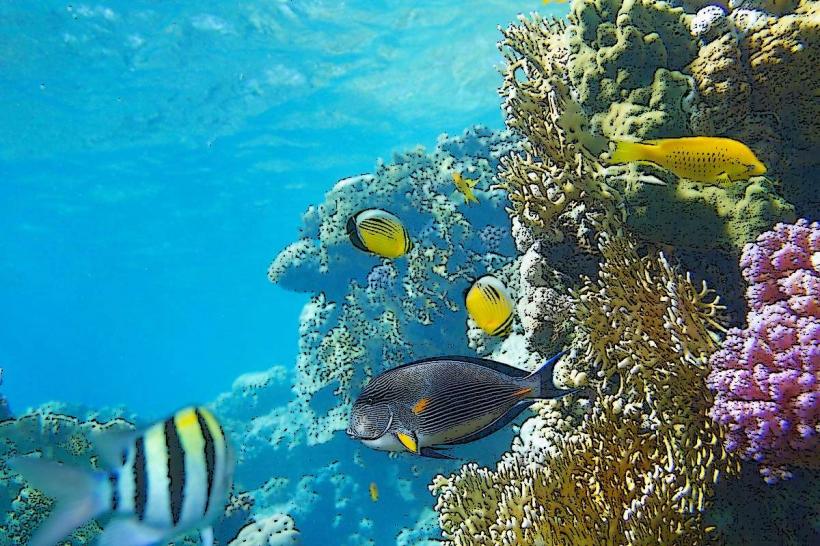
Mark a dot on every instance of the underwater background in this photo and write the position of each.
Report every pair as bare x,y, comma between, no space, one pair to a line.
176,182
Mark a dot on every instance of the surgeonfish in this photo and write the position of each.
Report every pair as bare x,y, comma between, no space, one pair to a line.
169,479
379,232
490,306
428,404
374,491
465,186
702,159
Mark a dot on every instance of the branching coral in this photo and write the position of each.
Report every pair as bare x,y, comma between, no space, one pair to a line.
642,465
767,376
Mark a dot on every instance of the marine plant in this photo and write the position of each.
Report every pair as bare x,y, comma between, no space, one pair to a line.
766,376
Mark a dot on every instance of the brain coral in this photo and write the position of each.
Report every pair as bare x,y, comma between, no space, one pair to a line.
766,377
368,308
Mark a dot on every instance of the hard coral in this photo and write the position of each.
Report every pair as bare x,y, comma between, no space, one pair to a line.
767,376
275,530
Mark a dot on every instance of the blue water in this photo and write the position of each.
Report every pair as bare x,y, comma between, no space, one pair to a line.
155,156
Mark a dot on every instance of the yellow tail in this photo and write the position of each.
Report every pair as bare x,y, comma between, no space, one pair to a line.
626,151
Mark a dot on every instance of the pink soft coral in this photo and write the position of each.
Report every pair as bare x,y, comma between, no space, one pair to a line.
766,378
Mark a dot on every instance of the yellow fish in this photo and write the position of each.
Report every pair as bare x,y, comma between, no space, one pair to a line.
374,492
701,159
378,232
465,186
490,306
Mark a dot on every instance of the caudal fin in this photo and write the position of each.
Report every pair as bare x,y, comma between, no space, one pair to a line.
80,496
548,387
626,151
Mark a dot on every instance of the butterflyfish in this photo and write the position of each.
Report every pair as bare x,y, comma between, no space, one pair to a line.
171,478
490,306
427,405
465,186
379,232
702,159
374,491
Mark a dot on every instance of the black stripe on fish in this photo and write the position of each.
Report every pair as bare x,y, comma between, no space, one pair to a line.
140,479
496,425
504,327
115,493
210,456
176,469
408,244
492,293
353,235
382,228
446,414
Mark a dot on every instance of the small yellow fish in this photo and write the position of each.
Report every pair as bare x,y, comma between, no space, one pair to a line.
465,186
701,159
490,306
378,232
374,492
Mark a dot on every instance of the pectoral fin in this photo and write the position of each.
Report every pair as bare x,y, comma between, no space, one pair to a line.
409,441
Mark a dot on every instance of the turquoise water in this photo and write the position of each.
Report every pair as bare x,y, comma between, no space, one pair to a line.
154,157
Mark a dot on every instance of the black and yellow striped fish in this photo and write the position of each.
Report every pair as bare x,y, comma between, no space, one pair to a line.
171,478
490,306
442,401
379,232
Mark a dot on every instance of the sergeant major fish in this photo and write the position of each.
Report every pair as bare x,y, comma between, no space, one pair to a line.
172,478
427,404
701,159
490,306
379,232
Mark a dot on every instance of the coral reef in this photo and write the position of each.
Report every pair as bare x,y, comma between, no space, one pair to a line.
275,530
766,377
364,309
646,455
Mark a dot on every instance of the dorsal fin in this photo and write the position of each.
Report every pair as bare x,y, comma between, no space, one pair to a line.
499,367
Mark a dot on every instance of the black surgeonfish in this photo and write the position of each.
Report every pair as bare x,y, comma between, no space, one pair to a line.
443,401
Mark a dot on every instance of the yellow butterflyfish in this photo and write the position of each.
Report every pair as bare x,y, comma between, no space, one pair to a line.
379,232
490,306
374,492
702,159
465,186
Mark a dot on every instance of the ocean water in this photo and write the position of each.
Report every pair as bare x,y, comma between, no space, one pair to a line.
175,184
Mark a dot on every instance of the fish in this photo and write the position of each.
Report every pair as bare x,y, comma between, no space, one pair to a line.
465,186
374,491
490,306
379,232
171,478
710,160
430,404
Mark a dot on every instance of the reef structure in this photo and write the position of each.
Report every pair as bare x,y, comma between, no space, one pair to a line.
766,377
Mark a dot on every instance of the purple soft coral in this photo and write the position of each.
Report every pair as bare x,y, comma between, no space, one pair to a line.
766,378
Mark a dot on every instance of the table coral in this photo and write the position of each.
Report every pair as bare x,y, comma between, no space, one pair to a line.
766,377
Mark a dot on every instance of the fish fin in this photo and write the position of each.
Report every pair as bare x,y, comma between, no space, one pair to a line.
723,178
499,367
627,151
433,454
496,425
409,441
129,532
112,446
206,535
420,405
544,374
353,234
80,496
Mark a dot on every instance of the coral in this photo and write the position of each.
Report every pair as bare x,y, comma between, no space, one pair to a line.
767,376
275,530
364,308
625,61
709,23
637,467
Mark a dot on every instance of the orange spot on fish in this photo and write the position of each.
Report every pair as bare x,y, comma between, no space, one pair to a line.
420,405
523,392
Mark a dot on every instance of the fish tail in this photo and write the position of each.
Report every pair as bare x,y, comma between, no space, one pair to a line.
548,387
80,496
626,151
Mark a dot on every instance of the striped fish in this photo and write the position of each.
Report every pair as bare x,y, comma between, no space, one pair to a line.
490,306
436,402
169,479
379,232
